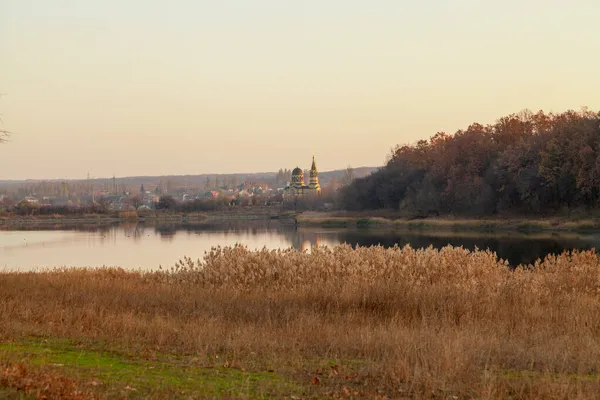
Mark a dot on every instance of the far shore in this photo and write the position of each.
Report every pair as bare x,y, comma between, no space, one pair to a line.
488,224
334,219
155,217
94,219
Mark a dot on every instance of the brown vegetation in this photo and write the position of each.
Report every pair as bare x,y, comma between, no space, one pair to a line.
42,383
525,163
392,322
128,215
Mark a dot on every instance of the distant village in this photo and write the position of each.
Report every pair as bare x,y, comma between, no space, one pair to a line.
144,198
145,193
141,199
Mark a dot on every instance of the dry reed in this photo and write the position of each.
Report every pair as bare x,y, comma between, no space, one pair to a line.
406,322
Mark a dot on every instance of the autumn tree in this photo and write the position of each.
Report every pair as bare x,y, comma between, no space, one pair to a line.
348,176
6,202
525,162
166,203
28,207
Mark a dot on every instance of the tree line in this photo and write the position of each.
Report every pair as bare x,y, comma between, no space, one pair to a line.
524,163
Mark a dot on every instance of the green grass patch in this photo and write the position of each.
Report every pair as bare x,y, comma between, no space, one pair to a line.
516,224
372,221
530,226
174,377
531,375
333,222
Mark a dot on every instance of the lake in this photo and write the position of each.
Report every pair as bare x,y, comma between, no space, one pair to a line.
146,246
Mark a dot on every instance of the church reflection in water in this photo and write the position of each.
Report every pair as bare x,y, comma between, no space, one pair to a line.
298,238
305,241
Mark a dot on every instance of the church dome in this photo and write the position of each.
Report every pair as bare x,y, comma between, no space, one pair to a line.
297,178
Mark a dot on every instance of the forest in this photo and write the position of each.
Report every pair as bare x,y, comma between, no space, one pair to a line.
525,163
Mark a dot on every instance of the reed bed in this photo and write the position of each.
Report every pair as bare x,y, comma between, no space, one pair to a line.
399,322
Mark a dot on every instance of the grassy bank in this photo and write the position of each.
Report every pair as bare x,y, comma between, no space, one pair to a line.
58,368
337,323
388,220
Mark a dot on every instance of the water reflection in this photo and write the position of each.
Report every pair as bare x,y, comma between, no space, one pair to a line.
147,245
515,247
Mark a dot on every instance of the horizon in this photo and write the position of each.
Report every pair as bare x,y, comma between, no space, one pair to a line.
152,89
92,178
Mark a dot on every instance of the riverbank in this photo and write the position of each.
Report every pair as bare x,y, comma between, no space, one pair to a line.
100,219
341,219
235,214
387,220
338,323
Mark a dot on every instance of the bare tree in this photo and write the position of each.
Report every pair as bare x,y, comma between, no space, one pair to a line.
348,176
4,134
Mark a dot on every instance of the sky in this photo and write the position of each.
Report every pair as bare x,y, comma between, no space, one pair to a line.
148,87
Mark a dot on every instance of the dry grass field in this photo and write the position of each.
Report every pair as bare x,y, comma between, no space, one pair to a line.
335,323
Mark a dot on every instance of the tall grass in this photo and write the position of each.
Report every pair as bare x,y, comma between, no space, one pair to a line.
407,322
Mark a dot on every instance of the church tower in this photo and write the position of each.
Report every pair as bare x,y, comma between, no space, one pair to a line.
314,177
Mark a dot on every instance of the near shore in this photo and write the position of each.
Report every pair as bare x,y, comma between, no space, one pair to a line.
368,323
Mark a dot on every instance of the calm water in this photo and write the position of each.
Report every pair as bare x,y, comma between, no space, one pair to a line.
148,247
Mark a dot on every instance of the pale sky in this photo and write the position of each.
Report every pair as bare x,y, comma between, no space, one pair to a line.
148,87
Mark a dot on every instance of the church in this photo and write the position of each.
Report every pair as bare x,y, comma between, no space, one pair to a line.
297,186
